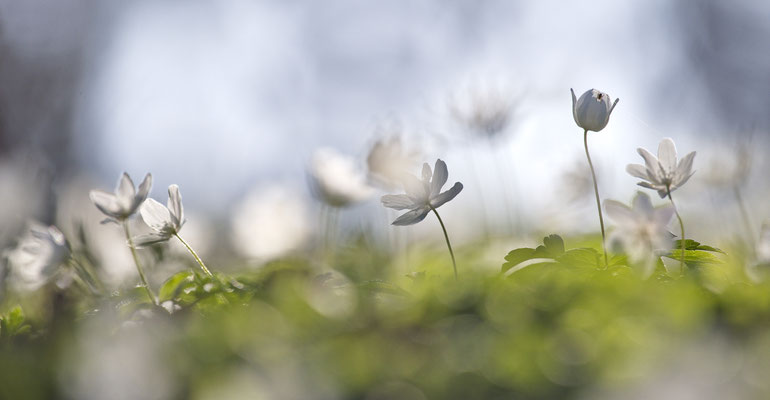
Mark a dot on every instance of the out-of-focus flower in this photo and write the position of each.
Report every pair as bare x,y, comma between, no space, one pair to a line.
641,230
38,254
663,173
165,221
126,199
389,161
269,223
22,193
336,180
485,111
592,111
422,195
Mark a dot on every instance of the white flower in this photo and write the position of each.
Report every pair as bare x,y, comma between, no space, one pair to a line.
641,231
485,110
592,111
39,253
165,221
336,180
269,223
663,173
389,161
422,195
126,199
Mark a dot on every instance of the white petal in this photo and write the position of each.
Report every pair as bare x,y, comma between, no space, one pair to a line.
144,188
397,201
412,217
125,190
415,188
106,203
440,176
574,106
450,194
652,163
667,155
426,172
175,205
618,212
684,169
155,215
642,204
637,170
150,239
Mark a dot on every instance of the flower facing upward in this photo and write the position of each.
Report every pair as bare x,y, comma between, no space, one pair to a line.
166,221
641,230
422,195
592,110
336,180
40,251
663,173
126,199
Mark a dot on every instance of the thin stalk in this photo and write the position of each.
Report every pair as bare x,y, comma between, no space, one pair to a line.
446,236
596,192
94,284
681,224
195,255
138,265
744,214
507,196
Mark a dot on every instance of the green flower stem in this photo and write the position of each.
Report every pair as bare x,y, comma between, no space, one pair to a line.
596,192
681,224
446,236
138,265
94,284
195,255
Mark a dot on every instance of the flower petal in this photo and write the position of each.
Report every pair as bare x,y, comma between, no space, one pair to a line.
642,204
638,171
149,239
155,215
397,201
415,189
618,212
450,194
175,206
125,190
440,176
426,172
106,203
684,169
412,217
667,155
144,188
652,164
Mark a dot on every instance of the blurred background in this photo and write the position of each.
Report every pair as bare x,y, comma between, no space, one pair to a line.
231,98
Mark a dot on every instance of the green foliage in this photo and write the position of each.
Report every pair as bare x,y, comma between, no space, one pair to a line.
13,323
553,248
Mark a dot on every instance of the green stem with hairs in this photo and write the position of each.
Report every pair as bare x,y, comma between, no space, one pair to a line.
138,265
681,224
195,255
596,192
446,236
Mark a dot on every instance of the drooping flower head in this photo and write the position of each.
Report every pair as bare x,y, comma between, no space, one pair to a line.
126,199
484,110
592,110
641,230
663,173
422,195
39,253
166,221
336,180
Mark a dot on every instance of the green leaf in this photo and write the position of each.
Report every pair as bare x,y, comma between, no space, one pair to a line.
690,244
13,323
552,247
175,284
583,257
518,256
694,257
